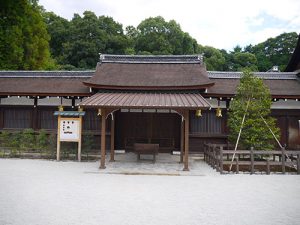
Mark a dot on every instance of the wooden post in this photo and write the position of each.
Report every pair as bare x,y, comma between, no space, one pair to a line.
112,139
214,158
298,164
237,166
252,160
181,141
35,114
283,159
58,140
221,160
186,141
268,166
79,139
103,134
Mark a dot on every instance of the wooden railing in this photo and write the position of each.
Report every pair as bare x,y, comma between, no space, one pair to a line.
250,160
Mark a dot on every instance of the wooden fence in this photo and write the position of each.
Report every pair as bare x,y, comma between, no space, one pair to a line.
252,160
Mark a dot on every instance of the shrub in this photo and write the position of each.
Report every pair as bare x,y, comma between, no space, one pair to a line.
42,140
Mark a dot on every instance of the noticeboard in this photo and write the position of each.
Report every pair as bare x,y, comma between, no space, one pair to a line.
69,129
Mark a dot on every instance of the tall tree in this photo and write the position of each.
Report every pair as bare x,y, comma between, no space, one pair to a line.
23,36
59,31
90,35
253,100
274,51
157,36
213,58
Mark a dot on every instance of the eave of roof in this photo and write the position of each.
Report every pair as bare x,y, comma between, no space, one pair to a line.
146,100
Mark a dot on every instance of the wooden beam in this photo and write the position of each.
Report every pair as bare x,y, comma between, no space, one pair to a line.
103,134
186,141
112,139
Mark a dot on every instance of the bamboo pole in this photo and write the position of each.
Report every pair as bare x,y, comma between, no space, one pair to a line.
238,139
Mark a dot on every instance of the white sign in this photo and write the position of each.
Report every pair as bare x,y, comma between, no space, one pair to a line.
69,129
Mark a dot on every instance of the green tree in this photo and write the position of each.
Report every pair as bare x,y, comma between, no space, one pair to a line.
23,36
244,61
213,58
253,100
274,51
157,36
90,35
59,30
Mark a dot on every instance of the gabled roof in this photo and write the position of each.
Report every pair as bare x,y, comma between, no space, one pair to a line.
281,84
44,82
150,73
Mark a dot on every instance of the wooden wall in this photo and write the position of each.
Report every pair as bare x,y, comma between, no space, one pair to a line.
162,127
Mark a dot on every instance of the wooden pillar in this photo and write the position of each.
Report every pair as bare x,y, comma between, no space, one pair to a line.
58,140
181,141
1,117
35,114
186,141
112,139
79,141
103,134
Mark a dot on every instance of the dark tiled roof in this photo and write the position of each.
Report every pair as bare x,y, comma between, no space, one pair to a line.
280,83
146,100
150,72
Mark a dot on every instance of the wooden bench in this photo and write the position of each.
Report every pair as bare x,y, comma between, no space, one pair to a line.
146,149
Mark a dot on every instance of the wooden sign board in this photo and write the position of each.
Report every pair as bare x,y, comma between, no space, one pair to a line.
69,129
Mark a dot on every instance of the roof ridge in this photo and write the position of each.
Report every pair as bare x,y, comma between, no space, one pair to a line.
263,75
45,74
108,58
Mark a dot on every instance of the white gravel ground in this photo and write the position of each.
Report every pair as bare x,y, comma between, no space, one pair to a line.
40,192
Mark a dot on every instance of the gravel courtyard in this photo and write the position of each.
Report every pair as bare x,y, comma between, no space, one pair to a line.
41,192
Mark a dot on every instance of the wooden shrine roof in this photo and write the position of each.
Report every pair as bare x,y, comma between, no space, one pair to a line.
150,73
44,82
146,100
281,84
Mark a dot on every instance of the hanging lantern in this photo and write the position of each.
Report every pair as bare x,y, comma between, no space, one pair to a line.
99,112
198,113
60,108
80,109
219,112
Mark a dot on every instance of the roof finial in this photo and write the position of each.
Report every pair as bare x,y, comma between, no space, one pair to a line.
101,56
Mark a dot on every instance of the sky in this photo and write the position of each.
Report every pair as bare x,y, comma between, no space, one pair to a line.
222,24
